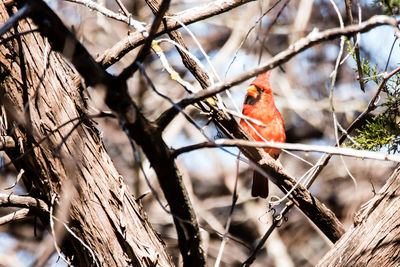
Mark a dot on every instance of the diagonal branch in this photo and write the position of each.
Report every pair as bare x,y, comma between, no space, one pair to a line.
187,17
14,216
311,40
11,200
145,49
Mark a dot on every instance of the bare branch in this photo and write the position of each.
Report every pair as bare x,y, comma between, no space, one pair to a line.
356,47
312,39
14,216
144,51
349,152
6,142
11,200
102,10
187,17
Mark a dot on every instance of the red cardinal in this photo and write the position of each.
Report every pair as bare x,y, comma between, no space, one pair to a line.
259,104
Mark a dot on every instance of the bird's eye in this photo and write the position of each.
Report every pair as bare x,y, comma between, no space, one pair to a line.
260,90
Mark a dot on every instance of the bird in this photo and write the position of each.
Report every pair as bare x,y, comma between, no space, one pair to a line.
259,104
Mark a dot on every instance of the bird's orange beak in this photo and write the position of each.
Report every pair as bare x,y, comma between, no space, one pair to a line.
252,91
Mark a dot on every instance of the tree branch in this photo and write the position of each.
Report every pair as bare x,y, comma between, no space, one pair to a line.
349,152
14,216
145,49
187,17
374,237
356,47
6,142
23,202
312,39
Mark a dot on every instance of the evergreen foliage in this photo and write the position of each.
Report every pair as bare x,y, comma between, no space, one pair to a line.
390,7
383,130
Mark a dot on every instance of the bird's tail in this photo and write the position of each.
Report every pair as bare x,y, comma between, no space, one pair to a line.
260,186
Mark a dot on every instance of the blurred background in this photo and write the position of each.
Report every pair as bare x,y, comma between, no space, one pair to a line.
236,41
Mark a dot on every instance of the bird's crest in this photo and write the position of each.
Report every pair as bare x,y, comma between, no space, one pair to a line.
262,81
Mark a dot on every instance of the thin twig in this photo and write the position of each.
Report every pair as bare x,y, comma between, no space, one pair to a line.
53,232
102,10
268,29
228,222
14,216
144,51
390,54
336,123
11,200
19,176
248,33
187,17
123,8
356,47
277,220
349,152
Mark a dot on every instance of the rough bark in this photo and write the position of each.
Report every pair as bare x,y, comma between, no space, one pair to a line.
102,212
137,127
374,239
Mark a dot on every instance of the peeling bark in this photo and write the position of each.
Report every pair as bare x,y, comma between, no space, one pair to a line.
374,239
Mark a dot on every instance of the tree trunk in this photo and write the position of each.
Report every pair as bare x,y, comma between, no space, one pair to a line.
72,161
374,238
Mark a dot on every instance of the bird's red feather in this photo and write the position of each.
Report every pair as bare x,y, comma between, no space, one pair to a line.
264,110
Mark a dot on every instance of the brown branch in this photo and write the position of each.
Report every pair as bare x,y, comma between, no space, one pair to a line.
26,203
6,142
187,17
373,239
349,152
312,39
145,49
23,202
14,216
356,47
